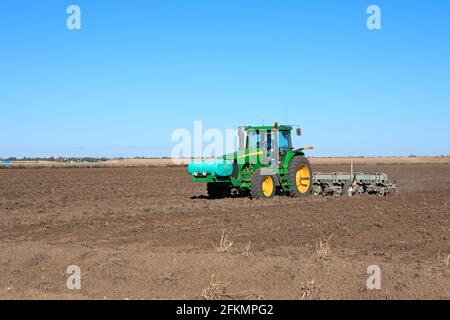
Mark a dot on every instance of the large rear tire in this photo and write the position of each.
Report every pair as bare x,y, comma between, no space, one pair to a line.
263,186
300,175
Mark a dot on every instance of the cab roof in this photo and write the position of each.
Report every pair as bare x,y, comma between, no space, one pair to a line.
269,128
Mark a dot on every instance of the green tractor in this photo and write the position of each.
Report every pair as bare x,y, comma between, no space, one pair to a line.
265,163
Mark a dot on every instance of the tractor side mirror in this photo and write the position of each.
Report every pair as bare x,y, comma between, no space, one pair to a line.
298,131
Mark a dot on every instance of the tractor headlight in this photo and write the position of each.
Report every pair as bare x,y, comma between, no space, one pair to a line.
204,173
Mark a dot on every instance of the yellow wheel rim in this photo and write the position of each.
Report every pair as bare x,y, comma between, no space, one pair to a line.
303,178
267,186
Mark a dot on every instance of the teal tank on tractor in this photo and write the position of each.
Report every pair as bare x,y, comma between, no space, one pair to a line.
215,167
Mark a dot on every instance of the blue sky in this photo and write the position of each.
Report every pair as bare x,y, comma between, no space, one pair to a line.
137,70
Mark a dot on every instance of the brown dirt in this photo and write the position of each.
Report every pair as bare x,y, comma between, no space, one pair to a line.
150,233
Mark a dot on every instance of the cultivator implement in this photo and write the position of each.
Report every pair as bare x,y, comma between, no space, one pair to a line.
351,184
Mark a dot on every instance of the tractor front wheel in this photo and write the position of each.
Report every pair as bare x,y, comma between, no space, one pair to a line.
300,176
263,186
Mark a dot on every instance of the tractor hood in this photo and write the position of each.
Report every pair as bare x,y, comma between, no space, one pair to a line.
241,155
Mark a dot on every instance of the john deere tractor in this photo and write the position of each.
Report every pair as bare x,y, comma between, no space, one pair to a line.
265,163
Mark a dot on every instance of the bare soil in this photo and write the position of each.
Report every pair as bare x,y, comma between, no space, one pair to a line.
150,233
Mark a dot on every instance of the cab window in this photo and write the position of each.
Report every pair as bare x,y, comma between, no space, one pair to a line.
284,141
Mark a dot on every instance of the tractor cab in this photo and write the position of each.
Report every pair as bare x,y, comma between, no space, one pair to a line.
272,141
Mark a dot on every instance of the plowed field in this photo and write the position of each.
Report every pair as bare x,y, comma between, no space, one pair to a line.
150,233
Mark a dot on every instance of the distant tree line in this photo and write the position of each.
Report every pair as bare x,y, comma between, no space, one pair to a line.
58,159
73,159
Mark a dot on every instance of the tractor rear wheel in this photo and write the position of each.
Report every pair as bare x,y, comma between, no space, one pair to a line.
218,190
263,186
300,176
